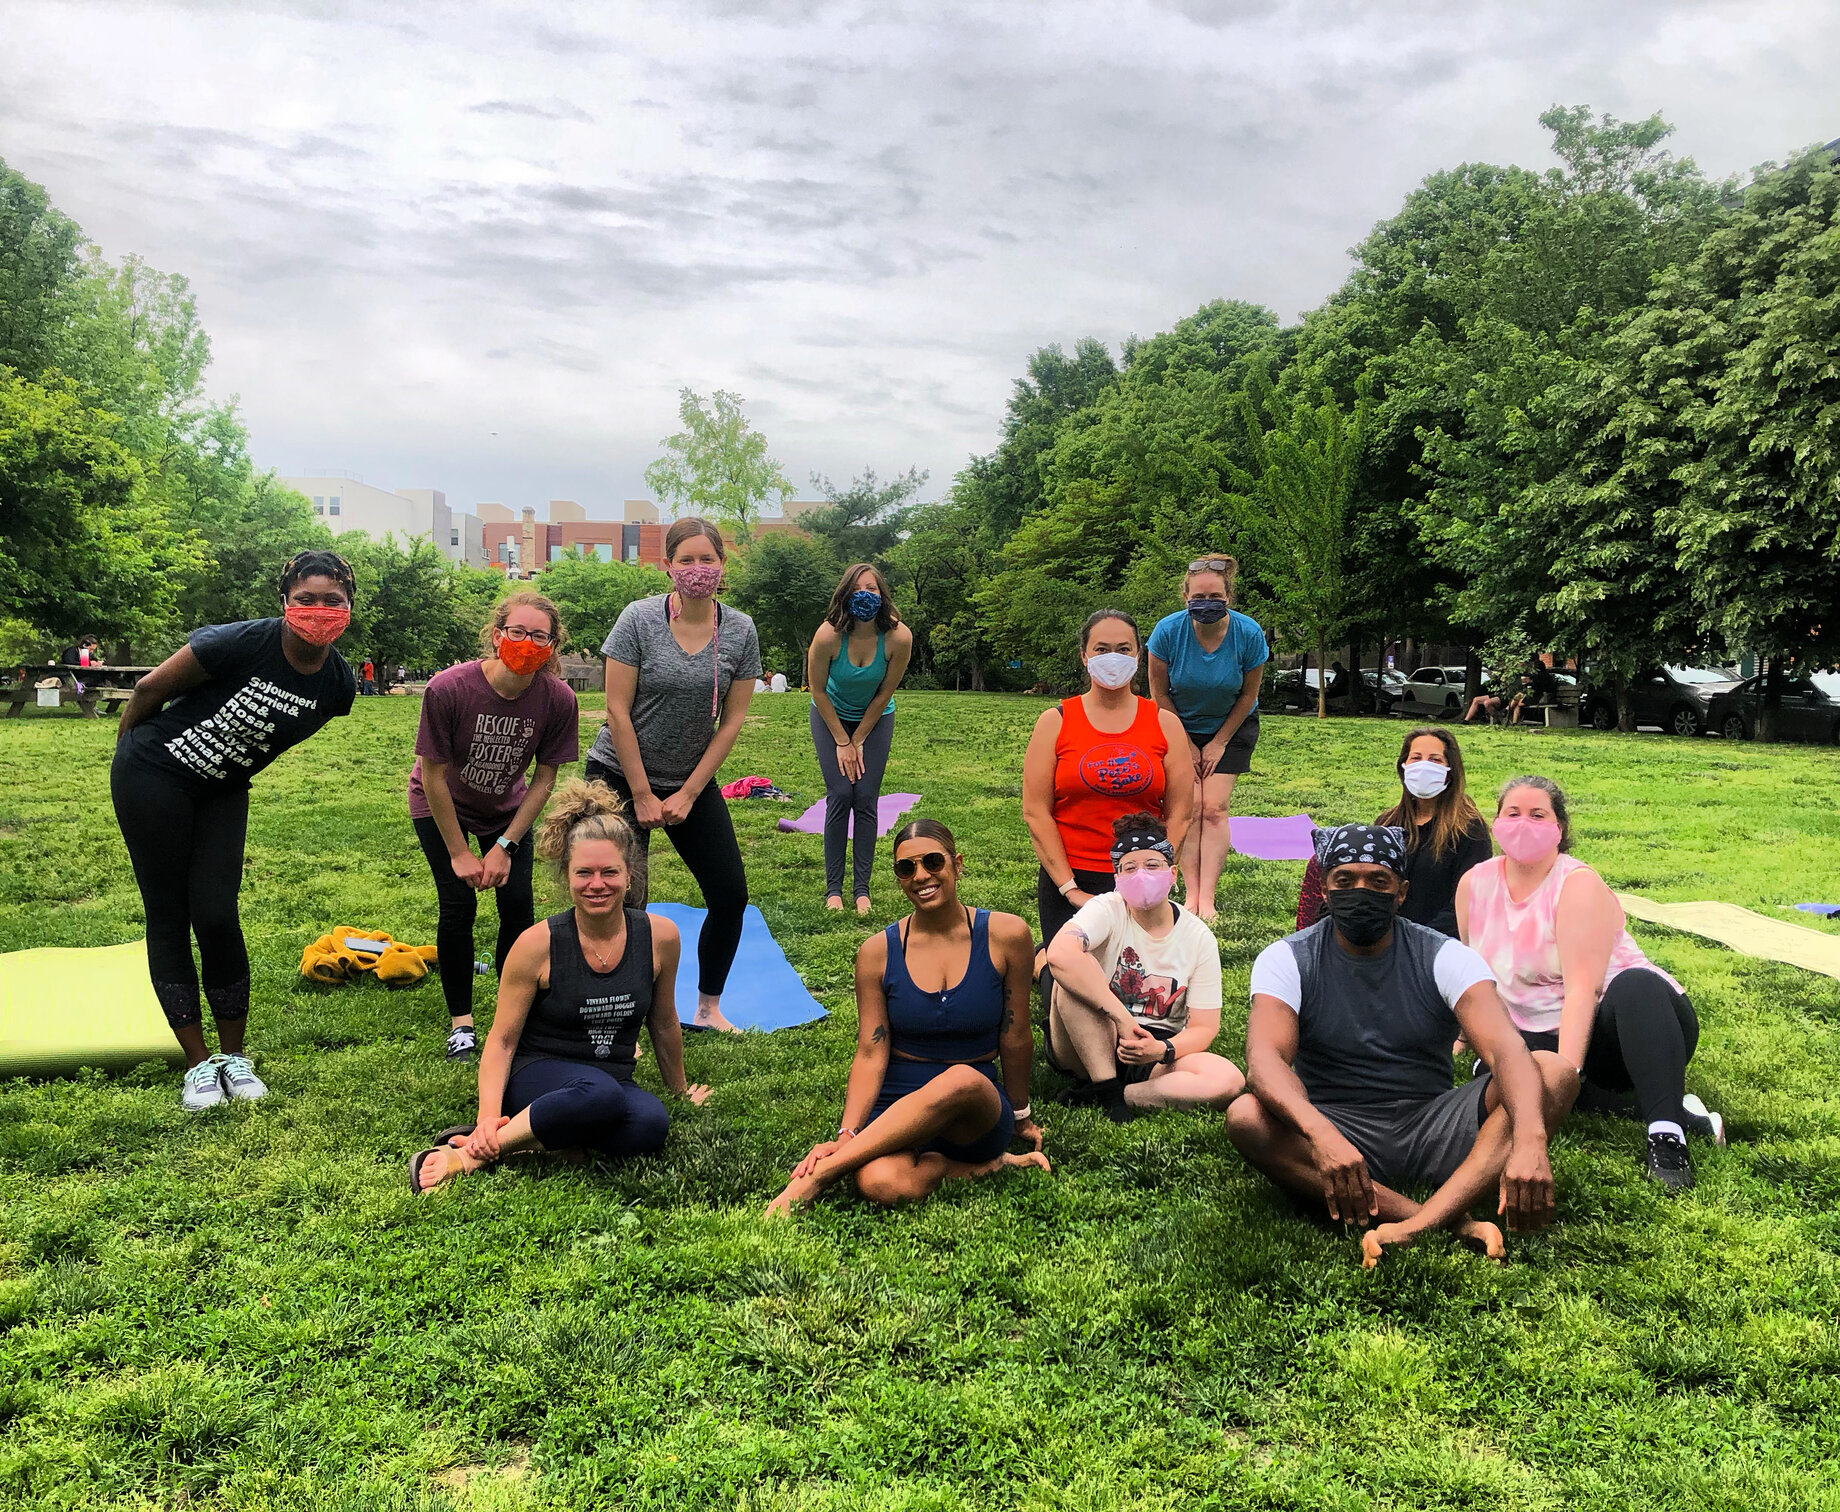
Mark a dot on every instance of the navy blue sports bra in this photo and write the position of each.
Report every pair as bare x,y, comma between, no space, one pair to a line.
961,1023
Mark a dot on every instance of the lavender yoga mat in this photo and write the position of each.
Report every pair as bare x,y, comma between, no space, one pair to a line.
1286,839
888,808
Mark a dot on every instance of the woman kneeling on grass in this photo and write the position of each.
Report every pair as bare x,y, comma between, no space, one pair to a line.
557,1069
940,995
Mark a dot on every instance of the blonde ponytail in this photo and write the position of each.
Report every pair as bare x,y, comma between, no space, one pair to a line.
585,809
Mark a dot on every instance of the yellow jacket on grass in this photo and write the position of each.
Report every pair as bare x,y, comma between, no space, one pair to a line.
348,952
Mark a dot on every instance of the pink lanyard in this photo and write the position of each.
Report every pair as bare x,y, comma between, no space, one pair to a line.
715,646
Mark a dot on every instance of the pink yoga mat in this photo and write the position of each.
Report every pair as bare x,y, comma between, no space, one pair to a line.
888,808
1286,839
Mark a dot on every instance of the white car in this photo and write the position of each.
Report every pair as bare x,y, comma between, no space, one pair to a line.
1434,690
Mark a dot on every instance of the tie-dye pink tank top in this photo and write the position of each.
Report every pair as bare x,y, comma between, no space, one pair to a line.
1521,944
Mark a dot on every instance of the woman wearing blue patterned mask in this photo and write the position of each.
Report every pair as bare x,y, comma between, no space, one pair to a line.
1206,660
857,660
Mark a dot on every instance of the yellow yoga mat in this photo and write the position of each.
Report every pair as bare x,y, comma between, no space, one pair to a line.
61,1010
1748,933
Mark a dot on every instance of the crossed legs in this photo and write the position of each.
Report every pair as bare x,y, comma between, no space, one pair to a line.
1083,1036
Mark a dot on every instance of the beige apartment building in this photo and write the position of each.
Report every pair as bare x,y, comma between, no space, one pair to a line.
347,503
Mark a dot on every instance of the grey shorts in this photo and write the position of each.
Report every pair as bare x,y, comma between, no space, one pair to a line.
1414,1143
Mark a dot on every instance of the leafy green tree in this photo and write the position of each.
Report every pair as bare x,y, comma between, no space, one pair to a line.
85,549
785,581
39,252
590,593
717,465
935,571
863,522
409,610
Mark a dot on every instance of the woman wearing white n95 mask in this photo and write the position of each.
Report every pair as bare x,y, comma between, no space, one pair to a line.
1445,833
1093,759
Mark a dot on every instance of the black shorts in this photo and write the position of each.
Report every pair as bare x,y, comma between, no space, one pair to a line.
1417,1142
1053,909
1236,760
1130,1075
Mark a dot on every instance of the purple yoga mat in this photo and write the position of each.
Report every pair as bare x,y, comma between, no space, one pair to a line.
1286,839
888,808
1829,909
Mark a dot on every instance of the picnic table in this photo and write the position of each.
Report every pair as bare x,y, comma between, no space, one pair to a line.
86,687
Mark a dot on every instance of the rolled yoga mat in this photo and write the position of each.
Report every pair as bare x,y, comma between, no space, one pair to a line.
1286,839
62,1010
888,808
1748,933
763,992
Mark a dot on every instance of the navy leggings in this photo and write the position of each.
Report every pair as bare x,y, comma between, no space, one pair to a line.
459,910
576,1106
843,798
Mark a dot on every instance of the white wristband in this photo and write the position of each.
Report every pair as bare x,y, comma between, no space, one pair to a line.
1069,885
1024,1113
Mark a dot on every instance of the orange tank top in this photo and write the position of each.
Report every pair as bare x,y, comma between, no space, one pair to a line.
1099,777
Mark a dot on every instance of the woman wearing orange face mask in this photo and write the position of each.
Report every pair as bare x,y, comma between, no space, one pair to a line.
483,724
199,726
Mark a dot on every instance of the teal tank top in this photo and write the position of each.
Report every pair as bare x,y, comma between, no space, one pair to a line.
850,687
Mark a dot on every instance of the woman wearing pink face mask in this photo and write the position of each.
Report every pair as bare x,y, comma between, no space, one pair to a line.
199,726
1134,1003
1574,981
680,674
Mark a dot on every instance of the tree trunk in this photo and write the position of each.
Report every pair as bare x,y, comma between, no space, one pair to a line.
977,675
1472,677
1410,653
1625,710
1354,677
1322,679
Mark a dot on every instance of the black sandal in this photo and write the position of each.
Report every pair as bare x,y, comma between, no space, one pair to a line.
416,1162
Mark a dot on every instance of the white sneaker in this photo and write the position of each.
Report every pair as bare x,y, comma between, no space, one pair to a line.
1702,1120
202,1088
239,1077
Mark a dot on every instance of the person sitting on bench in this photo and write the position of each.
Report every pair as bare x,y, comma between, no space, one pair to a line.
1348,1053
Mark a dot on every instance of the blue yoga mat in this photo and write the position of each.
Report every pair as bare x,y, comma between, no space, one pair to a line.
1829,909
763,992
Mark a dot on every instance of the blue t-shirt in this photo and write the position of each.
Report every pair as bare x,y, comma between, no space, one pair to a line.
1205,684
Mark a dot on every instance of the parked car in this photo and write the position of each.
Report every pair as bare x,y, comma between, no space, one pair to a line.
1675,699
1810,710
1433,690
1292,690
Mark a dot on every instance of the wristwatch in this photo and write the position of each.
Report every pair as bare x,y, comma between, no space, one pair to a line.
506,844
1068,886
1169,1052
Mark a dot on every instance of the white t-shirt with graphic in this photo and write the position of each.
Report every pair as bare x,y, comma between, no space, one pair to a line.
1160,981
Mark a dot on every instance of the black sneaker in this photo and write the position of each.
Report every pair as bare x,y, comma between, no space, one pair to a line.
1668,1164
462,1042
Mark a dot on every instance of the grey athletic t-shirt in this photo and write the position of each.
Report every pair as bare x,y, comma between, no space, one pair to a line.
671,709
1371,1029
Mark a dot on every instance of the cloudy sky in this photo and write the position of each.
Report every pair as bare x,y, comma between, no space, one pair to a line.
481,247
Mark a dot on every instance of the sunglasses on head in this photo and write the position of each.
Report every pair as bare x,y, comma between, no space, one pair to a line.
935,862
1209,564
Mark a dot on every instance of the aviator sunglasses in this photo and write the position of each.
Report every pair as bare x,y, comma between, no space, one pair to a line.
934,861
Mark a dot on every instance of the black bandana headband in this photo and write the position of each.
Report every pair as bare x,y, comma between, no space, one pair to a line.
1125,844
1361,845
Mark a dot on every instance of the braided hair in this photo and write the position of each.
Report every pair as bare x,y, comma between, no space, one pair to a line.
318,563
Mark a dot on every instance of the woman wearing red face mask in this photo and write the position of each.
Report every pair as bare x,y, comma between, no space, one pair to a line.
483,724
198,727
1574,981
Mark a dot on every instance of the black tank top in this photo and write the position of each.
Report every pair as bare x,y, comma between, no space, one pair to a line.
589,1015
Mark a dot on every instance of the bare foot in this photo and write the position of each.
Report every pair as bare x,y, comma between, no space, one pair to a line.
445,1163
1032,1158
862,908
1375,1241
834,903
1484,1236
801,1191
709,1016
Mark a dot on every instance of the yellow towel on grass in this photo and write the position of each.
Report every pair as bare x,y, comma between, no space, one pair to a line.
61,1010
332,958
1751,934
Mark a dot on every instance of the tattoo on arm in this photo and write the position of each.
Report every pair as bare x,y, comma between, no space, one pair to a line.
1080,935
1009,1017
878,1034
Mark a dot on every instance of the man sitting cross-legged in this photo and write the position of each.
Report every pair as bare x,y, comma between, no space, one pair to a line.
1348,1055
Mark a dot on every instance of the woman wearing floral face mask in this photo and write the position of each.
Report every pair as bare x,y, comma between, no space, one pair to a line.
1206,661
680,675
1445,834
1135,997
1093,759
483,724
1574,981
199,726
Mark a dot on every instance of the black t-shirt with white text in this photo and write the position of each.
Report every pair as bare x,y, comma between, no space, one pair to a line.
256,705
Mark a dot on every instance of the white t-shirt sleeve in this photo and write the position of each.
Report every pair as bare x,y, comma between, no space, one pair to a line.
1100,919
1275,974
1457,969
1203,965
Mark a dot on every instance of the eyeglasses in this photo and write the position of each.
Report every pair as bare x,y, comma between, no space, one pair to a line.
1210,564
519,633
935,862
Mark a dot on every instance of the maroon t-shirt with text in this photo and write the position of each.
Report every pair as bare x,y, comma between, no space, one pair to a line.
488,743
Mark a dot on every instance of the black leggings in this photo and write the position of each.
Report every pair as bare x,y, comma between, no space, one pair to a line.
1054,910
706,843
459,905
575,1106
1641,1040
187,854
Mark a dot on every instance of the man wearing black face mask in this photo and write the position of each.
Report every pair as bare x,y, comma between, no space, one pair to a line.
1348,1060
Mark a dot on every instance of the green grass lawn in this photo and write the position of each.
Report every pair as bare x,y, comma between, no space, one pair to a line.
248,1308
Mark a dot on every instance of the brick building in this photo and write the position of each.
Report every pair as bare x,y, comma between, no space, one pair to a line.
522,547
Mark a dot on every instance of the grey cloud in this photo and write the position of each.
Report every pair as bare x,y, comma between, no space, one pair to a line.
551,110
